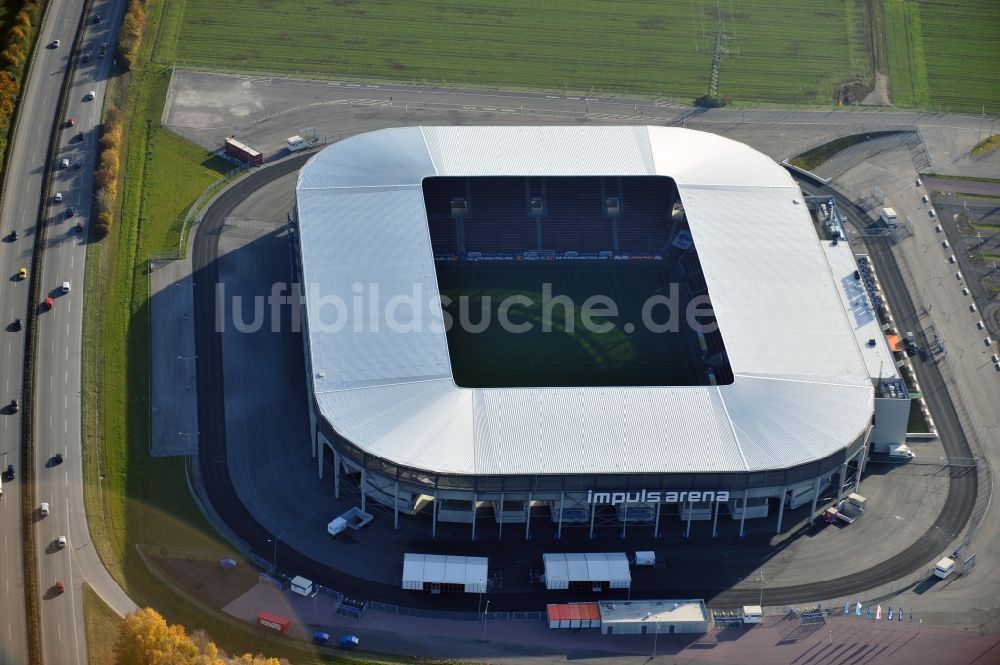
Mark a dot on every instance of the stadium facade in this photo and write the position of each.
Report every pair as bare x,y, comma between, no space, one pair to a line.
813,388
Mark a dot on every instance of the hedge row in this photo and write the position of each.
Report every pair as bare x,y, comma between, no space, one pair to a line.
13,60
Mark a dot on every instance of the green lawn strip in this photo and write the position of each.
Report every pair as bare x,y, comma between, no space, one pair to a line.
963,54
102,625
918,422
819,155
987,145
783,51
131,497
959,177
990,257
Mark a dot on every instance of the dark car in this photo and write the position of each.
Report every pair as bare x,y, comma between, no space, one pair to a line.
10,472
97,18
78,137
70,211
57,459
70,122
17,324
103,51
14,406
13,236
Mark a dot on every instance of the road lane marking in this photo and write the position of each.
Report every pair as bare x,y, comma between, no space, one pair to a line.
76,620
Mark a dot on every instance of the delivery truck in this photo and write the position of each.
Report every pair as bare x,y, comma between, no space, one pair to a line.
944,567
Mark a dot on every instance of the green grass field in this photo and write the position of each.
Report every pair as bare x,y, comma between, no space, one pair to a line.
570,353
961,49
102,625
788,51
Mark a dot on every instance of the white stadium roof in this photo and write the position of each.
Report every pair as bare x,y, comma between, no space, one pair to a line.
801,389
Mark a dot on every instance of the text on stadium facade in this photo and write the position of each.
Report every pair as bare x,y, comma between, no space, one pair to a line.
657,496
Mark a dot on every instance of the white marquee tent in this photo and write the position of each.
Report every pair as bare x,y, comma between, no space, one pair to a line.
439,572
591,568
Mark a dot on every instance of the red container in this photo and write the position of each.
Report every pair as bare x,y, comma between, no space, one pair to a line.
273,622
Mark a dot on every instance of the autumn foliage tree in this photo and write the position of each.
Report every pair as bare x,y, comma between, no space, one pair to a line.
13,60
130,34
145,638
108,171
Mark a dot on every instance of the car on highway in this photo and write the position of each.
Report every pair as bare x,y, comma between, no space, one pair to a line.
60,586
11,474
79,226
22,273
49,303
103,50
58,197
56,43
13,235
16,325
78,164
70,122
90,95
57,459
97,18
85,58
44,509
70,211
77,138
64,163
61,542
66,287
14,407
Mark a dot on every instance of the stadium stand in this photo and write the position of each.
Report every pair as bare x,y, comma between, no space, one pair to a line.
645,225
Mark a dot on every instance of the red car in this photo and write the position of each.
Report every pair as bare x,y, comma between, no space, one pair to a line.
60,586
49,303
70,122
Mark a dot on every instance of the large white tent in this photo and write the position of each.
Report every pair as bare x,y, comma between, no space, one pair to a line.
440,572
563,570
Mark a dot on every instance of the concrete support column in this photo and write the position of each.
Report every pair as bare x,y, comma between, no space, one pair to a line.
743,517
475,500
592,511
434,516
395,507
336,474
656,521
315,433
842,478
715,520
320,460
527,522
687,530
500,526
781,508
812,514
861,466
624,520
364,479
562,499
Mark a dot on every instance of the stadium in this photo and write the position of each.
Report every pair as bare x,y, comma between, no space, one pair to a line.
586,326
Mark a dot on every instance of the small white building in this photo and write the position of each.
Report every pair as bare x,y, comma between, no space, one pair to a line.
439,572
665,617
592,571
301,586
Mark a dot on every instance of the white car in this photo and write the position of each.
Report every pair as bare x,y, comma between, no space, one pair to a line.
64,163
44,509
55,43
90,95
61,542
58,197
65,287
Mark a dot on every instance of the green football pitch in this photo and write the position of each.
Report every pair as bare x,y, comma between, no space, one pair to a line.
606,350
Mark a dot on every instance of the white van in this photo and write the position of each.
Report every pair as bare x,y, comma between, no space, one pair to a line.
44,509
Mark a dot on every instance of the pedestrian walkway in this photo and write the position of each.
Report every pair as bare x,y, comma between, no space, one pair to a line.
779,640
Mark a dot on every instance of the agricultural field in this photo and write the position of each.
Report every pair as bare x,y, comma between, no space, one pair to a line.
961,49
778,50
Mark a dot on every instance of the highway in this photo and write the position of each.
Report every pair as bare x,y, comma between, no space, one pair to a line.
25,178
57,405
